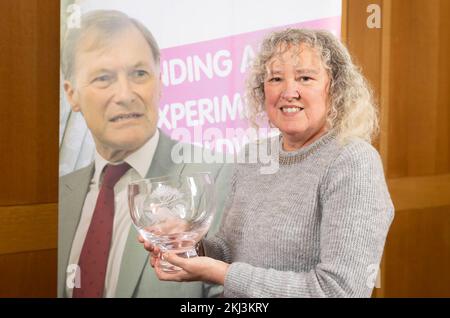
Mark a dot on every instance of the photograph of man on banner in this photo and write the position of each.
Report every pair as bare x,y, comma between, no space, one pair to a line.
111,70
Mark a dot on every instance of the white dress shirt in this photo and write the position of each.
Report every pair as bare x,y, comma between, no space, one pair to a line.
140,162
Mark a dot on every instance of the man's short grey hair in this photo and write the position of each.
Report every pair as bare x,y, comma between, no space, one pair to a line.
102,24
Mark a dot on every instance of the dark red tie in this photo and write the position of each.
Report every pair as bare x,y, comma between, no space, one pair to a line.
94,254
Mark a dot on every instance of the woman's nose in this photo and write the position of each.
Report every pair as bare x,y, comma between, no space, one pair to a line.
291,91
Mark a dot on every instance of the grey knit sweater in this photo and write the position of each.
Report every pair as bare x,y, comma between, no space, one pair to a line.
315,228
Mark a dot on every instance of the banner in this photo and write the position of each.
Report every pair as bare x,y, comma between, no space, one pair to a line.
206,47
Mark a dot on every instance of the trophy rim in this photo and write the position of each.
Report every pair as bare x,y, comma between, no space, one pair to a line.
168,177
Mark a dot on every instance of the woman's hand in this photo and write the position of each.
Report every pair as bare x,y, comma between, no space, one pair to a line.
198,268
155,252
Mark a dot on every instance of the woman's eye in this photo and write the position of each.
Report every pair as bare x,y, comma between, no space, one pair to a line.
275,79
305,78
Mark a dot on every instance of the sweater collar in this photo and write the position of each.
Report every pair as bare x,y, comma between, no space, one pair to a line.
291,157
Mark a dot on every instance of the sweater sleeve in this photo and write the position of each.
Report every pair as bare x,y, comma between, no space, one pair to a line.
356,212
216,246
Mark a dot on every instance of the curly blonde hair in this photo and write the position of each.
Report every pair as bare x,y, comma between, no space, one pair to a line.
353,112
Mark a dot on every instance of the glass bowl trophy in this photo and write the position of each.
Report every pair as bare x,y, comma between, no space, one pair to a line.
173,212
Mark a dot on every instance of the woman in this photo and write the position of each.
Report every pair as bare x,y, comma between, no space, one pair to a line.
316,227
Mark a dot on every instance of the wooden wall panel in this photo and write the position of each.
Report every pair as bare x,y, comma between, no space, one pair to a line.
368,52
29,120
363,42
30,274
418,245
409,67
442,163
29,78
418,258
420,192
28,228
418,250
419,92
